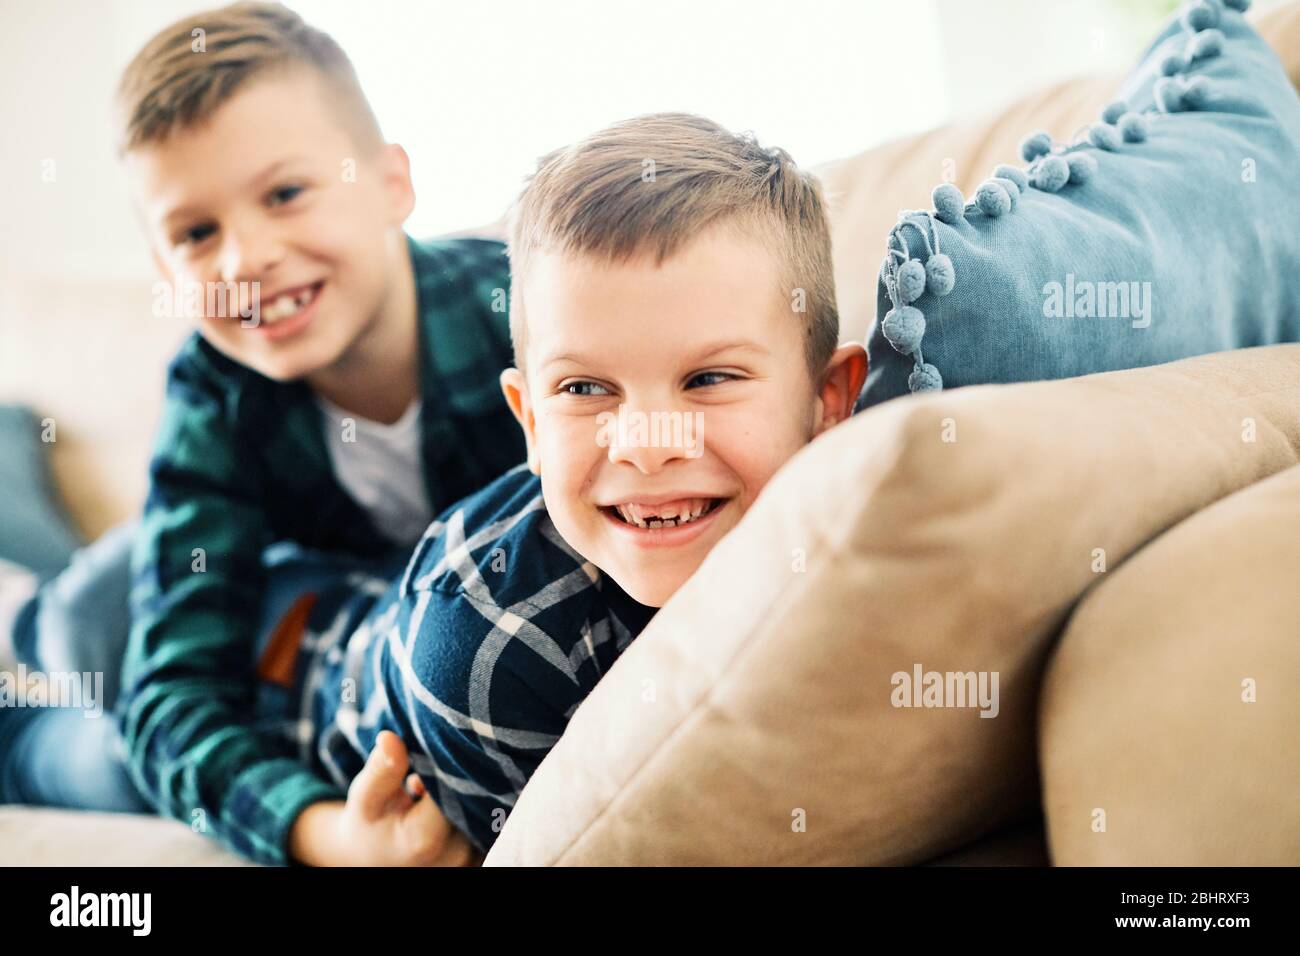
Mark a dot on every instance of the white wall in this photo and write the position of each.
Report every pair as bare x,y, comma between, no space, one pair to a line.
1001,48
64,207
478,90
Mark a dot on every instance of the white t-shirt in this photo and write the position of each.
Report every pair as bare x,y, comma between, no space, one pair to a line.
380,467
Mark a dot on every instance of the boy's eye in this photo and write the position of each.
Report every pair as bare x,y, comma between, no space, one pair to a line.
710,378
584,388
283,195
196,234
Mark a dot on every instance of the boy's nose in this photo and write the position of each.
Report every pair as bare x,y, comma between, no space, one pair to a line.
646,460
649,440
249,255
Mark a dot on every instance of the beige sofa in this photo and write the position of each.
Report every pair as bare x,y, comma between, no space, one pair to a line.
986,547
754,721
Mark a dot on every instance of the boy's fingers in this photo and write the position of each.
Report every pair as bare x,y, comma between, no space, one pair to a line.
426,832
415,786
393,746
380,780
459,852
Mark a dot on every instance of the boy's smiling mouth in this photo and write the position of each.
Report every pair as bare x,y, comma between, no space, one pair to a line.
667,514
289,311
668,521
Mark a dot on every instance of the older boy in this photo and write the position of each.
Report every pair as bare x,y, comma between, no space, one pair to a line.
341,398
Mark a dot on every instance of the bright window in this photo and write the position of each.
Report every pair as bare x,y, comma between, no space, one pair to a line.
477,91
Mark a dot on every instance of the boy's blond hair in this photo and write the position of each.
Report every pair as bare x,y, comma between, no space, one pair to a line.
651,184
189,69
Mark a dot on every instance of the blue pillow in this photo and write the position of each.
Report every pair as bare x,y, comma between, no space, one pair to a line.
35,531
1168,228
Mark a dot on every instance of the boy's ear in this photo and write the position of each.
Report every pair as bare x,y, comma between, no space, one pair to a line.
515,389
841,385
395,172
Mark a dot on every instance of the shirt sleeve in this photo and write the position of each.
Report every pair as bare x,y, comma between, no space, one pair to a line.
477,707
189,690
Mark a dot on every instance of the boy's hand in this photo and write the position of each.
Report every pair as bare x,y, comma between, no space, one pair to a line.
388,820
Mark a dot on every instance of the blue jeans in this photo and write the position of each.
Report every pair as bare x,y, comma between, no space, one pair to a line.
78,623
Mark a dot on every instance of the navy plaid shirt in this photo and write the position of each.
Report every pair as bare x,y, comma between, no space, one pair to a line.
477,656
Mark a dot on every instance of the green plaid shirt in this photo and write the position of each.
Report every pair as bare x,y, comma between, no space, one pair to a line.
241,462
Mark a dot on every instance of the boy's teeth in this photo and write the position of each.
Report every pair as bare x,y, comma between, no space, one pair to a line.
283,306
663,516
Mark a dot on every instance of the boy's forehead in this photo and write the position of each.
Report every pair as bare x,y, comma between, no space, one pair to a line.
720,288
277,119
718,265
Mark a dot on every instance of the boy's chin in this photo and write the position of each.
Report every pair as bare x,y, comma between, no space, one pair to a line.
284,371
284,365
277,371
652,590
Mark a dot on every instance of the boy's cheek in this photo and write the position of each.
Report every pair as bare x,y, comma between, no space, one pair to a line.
569,460
568,444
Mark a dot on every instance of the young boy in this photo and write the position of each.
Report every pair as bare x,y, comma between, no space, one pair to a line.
339,398
703,293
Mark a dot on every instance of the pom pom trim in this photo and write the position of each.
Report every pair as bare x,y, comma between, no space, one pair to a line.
1050,167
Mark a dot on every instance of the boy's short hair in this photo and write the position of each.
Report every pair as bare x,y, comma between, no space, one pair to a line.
189,69
598,197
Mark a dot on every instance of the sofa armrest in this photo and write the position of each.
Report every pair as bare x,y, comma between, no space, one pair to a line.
1170,720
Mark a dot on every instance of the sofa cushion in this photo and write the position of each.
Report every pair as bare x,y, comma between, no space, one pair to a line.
953,531
1099,254
1169,715
40,836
